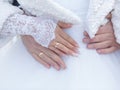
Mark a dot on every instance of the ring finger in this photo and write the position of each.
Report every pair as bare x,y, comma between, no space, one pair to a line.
42,57
63,48
49,60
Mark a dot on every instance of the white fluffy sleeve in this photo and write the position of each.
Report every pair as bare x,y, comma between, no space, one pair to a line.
6,9
116,20
49,7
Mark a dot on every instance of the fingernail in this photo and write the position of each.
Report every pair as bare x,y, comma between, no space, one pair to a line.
77,45
90,46
75,54
69,25
86,41
58,68
48,66
76,51
99,51
63,67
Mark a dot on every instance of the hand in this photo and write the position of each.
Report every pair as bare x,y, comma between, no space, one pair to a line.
104,41
44,55
63,43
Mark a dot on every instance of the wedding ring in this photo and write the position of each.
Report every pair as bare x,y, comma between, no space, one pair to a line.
57,44
40,54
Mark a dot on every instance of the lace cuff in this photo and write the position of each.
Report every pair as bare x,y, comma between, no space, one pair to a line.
116,20
41,28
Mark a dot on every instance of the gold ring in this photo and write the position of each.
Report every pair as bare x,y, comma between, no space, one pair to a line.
40,54
57,44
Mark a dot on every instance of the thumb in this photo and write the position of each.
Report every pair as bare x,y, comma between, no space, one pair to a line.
64,25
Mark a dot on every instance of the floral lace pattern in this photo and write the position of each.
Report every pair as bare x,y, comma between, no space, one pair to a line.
97,14
41,28
116,20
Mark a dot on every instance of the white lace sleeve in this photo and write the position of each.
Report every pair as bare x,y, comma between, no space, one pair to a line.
41,28
116,20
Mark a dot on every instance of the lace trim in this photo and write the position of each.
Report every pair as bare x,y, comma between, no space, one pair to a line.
116,20
97,14
41,28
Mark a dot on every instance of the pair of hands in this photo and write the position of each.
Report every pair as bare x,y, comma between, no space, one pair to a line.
104,42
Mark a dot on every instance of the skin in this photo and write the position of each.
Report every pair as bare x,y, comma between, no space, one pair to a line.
67,46
50,58
104,41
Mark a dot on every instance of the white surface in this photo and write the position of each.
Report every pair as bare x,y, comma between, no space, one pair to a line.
88,71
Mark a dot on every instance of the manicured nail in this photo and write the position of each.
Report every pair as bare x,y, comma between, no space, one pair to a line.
58,68
76,51
48,66
86,41
77,45
69,25
75,54
63,67
90,46
99,51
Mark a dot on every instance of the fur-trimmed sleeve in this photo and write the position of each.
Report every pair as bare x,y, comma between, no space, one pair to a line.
7,9
50,8
116,20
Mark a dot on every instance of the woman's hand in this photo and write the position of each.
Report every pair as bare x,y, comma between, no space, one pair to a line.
104,41
44,55
63,43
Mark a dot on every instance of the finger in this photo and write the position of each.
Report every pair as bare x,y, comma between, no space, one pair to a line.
86,40
51,55
66,43
59,52
86,34
54,57
41,61
64,25
68,38
107,50
63,48
58,60
100,45
102,37
50,61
